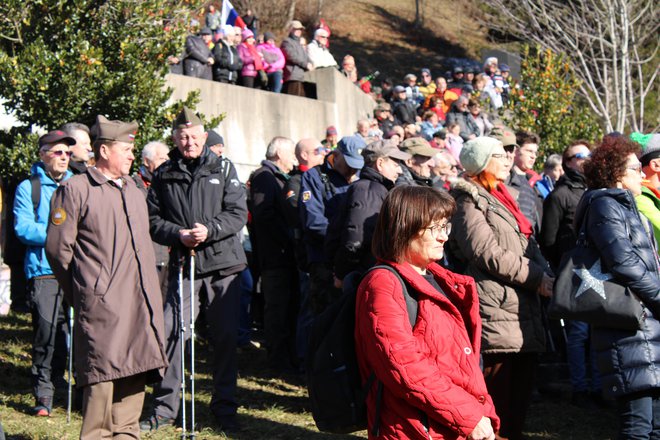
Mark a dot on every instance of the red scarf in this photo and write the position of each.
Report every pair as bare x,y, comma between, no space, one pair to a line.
502,194
258,65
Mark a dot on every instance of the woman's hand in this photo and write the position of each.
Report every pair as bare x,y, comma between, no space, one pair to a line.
547,284
483,430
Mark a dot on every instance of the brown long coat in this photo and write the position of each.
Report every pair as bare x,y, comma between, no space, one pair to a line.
507,267
99,248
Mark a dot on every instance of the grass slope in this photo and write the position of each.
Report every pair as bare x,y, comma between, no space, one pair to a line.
270,408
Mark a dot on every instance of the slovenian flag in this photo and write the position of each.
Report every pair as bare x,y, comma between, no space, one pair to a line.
230,16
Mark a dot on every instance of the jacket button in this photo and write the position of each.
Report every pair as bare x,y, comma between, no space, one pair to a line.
482,399
467,350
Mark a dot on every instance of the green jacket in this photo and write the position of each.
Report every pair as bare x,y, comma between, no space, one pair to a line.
649,205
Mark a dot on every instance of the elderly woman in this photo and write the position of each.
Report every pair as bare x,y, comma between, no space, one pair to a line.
492,240
628,361
432,383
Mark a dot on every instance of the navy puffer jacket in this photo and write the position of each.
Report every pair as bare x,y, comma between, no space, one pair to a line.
629,361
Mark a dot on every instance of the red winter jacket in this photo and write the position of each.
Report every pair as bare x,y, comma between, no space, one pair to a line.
431,373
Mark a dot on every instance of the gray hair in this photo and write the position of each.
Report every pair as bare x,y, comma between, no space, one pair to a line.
70,127
276,144
552,161
149,150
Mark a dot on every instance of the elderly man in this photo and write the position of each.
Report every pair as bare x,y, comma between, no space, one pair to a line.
274,248
81,151
99,249
31,214
196,203
417,169
199,59
227,63
363,202
318,52
297,60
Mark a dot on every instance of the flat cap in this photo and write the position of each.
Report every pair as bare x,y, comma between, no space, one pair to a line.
105,129
385,148
186,119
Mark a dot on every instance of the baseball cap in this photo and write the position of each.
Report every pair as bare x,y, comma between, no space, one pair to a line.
383,149
351,147
418,146
504,135
399,89
56,137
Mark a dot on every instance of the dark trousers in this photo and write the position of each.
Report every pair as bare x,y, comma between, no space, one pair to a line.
639,416
322,291
294,88
282,302
50,331
220,296
510,380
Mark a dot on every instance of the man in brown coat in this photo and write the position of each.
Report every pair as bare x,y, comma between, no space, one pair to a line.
99,248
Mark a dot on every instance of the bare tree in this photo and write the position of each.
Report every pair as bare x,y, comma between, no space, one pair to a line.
612,44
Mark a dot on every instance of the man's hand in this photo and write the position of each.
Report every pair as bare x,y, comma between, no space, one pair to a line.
210,60
186,238
199,232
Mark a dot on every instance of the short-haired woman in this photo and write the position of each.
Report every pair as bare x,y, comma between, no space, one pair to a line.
432,383
628,361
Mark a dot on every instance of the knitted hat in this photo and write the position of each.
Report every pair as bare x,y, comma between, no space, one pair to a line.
247,33
476,154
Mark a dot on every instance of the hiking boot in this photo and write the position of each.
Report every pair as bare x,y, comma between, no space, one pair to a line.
228,424
155,422
43,406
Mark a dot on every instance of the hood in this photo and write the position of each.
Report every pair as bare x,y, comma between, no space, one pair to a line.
465,187
572,178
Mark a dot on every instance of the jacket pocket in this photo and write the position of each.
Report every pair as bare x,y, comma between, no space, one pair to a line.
101,283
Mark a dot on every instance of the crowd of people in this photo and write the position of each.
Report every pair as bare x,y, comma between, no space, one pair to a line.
429,185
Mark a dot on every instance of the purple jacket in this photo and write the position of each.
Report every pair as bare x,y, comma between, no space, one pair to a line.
248,61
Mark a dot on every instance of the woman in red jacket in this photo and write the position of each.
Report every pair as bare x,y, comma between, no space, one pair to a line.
433,386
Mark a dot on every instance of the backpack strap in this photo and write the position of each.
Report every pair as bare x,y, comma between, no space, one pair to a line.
36,193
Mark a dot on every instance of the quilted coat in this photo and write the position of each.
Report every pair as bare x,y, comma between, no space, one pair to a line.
507,267
628,361
433,386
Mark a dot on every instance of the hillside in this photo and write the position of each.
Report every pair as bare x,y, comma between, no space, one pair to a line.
380,34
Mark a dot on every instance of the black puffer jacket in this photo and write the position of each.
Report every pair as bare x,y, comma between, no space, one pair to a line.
206,191
196,61
557,233
358,221
628,361
228,64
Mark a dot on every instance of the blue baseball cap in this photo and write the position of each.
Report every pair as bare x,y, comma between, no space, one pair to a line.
351,147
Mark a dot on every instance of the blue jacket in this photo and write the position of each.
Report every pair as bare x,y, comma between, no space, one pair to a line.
628,361
31,231
322,192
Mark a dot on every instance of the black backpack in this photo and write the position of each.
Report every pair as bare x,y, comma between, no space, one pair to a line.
14,249
336,393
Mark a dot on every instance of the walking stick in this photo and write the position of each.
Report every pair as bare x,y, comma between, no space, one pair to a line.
192,344
182,339
70,391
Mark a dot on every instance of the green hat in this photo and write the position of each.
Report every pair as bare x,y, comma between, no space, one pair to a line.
186,119
476,154
107,130
418,146
504,135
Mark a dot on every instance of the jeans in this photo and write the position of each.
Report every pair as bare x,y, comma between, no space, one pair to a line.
275,81
639,416
577,342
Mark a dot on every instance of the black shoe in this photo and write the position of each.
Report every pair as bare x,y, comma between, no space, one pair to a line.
155,422
602,403
228,424
43,406
583,400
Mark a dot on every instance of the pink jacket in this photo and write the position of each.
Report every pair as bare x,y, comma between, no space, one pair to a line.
273,56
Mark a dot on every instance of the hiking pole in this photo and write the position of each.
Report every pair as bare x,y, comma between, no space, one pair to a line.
192,344
182,340
70,391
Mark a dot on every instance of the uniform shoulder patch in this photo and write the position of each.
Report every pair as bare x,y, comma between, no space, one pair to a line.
306,195
58,216
290,194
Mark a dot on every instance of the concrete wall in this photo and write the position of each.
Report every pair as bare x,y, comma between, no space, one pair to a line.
254,117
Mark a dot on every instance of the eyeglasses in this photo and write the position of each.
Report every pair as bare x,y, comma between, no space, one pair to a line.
321,150
637,167
499,155
59,153
436,229
580,156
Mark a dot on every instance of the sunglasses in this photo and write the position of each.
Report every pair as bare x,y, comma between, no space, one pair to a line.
60,153
509,148
580,156
321,150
